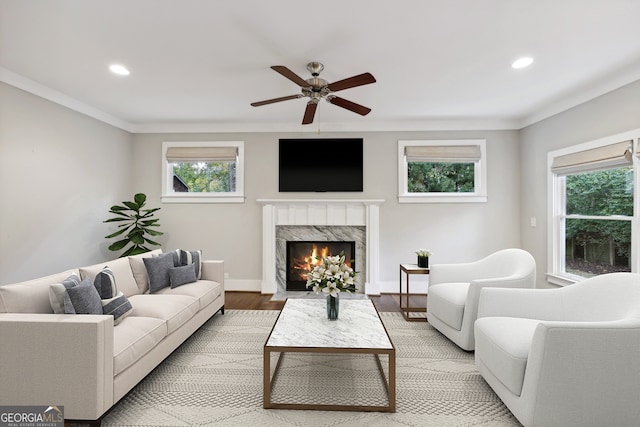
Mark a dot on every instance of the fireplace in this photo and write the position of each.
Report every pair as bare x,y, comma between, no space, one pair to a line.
321,220
302,256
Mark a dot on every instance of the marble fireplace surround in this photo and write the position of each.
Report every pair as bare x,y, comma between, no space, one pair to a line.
319,233
322,215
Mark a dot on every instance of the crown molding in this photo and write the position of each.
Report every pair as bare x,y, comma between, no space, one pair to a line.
579,96
14,79
585,93
389,126
38,89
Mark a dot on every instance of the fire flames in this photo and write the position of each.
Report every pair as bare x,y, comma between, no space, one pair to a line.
306,263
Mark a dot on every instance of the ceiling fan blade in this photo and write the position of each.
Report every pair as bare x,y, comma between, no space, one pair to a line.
290,75
359,80
271,101
309,112
351,106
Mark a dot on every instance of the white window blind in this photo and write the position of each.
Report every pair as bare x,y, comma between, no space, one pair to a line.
443,153
605,157
201,154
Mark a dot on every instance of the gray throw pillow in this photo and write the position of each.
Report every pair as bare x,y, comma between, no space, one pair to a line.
105,283
82,299
58,291
119,307
192,257
182,275
158,271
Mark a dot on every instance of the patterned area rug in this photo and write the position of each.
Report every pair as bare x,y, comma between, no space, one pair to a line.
215,379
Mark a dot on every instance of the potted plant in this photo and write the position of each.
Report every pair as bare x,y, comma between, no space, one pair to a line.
423,258
135,224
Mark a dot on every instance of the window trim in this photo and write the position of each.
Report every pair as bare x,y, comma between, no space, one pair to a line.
169,196
556,203
480,174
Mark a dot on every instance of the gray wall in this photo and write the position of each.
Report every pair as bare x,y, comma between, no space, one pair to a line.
60,171
607,115
233,232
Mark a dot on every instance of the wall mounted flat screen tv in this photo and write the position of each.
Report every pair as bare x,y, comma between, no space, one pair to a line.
320,164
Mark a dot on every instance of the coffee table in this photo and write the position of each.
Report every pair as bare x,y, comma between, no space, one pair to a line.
303,327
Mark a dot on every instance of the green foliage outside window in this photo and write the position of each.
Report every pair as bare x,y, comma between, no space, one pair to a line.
599,242
602,193
201,177
424,177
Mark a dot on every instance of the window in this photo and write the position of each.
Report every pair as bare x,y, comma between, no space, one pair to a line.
593,189
203,172
442,171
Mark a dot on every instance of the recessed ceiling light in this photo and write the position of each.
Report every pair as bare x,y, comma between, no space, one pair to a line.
522,62
119,69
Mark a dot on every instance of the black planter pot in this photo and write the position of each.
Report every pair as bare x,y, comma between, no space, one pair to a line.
423,261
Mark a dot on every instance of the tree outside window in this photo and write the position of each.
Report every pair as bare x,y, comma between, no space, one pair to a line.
599,210
426,177
203,177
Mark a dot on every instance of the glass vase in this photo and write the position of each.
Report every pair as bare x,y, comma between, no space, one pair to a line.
333,307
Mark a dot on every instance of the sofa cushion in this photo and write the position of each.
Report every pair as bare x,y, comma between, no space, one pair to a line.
182,275
121,270
158,270
133,338
504,343
205,291
82,298
31,296
446,302
140,271
175,310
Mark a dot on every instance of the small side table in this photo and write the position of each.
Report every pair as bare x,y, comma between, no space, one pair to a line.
409,269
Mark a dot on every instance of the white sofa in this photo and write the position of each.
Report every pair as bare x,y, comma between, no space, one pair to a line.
564,357
454,289
85,362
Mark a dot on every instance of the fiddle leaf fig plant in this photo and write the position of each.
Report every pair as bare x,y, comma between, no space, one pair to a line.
135,224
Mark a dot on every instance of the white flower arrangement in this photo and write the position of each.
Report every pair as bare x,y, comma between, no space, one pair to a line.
332,276
423,253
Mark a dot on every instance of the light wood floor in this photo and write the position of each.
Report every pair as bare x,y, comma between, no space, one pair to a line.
257,301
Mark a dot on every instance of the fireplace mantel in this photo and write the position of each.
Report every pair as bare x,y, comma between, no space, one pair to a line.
342,212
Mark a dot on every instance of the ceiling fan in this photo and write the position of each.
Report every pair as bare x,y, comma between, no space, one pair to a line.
316,88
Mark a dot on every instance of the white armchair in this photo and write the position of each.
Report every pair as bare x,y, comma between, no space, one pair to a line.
454,290
564,357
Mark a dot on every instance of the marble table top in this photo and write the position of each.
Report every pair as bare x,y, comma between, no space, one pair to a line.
303,323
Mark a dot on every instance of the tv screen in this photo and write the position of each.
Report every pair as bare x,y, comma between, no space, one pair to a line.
320,164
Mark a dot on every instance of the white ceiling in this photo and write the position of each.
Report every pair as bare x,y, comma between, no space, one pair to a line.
198,64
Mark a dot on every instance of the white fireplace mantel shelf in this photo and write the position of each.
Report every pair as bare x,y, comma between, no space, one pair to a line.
338,212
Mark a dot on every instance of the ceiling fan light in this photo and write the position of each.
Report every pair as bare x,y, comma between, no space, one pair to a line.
523,62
